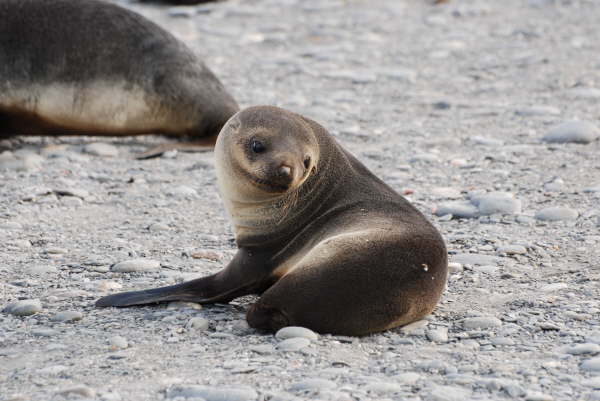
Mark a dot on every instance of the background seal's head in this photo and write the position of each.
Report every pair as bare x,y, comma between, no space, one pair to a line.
264,152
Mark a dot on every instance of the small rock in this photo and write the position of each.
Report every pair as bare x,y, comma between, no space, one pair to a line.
512,249
459,209
182,191
481,322
293,344
109,285
497,203
581,349
582,132
446,192
296,332
454,267
480,140
556,213
591,365
554,287
208,255
438,335
101,149
198,324
537,396
476,259
593,382
181,12
449,393
407,378
414,326
44,332
313,385
135,265
263,349
383,388
207,393
176,305
118,342
538,111
26,307
81,391
67,316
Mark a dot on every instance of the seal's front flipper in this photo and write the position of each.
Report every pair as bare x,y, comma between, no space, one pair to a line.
200,145
155,295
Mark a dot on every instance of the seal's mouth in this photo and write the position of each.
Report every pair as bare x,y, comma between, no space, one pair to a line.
267,185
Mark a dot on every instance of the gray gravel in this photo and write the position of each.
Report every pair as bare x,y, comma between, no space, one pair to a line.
446,103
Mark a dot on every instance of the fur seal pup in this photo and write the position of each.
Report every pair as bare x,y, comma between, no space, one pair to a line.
89,67
328,245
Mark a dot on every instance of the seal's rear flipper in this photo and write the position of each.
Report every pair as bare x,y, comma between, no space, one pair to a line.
178,292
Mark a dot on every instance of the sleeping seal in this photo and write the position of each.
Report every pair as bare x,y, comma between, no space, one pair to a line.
328,245
89,67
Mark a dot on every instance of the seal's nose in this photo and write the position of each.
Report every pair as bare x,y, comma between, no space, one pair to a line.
284,176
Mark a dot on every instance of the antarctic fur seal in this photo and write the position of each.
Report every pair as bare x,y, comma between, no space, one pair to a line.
89,67
327,244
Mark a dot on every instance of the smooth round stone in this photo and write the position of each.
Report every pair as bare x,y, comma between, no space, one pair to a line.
538,111
207,393
414,326
480,140
454,267
53,370
26,307
554,287
109,285
554,186
502,341
449,393
313,385
263,349
78,391
556,213
497,203
135,265
593,382
573,132
537,396
296,332
11,225
101,149
487,269
44,332
383,388
407,378
158,227
476,259
67,316
460,209
585,93
446,192
481,322
512,249
182,191
293,344
178,305
593,337
581,349
118,342
40,270
591,365
438,335
198,324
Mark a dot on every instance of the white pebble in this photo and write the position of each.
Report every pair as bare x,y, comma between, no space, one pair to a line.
438,335
313,385
67,316
449,393
573,132
101,149
593,382
554,287
512,249
591,365
198,324
207,393
454,267
118,342
24,307
481,322
556,213
135,265
537,396
296,332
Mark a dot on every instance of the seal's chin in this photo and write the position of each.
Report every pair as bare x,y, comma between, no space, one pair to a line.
269,186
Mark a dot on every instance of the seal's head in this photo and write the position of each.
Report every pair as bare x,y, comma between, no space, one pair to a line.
263,153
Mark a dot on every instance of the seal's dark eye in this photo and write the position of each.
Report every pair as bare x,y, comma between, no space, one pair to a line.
257,146
307,162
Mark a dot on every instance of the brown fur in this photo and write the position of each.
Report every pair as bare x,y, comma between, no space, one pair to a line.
351,256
